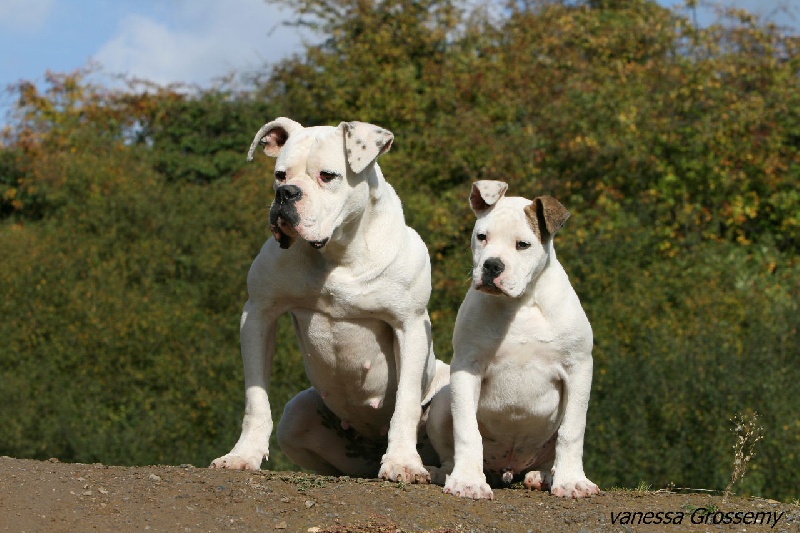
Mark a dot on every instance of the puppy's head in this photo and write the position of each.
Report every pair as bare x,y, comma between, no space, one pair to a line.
512,238
323,176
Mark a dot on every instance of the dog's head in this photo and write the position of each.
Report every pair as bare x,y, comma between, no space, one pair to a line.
512,238
323,176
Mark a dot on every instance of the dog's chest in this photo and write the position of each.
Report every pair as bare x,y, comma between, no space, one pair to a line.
344,296
521,387
522,381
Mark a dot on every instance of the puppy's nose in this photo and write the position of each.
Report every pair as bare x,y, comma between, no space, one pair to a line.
288,193
493,267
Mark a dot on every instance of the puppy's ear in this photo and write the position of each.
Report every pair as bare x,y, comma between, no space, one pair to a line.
485,194
273,136
546,216
363,143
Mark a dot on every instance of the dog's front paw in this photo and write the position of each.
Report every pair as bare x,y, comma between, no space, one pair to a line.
237,462
538,480
465,487
580,488
403,471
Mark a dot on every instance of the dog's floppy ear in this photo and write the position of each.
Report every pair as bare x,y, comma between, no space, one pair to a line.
273,136
486,193
363,143
546,216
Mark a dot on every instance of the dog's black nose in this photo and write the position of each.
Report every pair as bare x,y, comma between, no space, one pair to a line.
288,193
493,267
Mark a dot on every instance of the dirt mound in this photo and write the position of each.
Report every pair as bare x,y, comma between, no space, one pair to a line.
60,497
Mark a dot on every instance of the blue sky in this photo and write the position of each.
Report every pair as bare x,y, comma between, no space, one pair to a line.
167,41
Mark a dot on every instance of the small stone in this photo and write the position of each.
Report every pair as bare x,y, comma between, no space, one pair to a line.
154,477
281,525
310,504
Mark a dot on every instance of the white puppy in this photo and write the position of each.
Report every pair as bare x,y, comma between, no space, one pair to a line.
356,281
522,364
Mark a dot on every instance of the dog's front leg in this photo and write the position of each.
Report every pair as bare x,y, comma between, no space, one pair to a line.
413,346
569,480
258,347
467,479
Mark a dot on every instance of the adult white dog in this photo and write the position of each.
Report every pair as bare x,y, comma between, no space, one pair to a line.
522,364
356,281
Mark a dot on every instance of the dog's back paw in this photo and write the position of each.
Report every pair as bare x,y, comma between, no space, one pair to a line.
438,474
237,462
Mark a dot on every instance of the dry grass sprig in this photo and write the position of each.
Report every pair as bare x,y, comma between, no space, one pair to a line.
748,433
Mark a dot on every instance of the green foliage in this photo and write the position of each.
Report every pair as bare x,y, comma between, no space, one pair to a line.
200,139
128,225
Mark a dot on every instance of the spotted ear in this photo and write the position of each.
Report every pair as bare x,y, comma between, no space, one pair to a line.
273,136
363,143
485,194
546,216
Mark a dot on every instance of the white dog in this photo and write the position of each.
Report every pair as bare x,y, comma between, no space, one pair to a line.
522,363
356,281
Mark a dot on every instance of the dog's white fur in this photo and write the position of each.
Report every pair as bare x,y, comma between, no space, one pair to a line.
522,365
356,281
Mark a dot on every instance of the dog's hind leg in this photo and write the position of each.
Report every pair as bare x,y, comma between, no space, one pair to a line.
315,439
439,427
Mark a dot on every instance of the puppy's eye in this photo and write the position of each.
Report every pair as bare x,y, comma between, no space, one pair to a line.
280,175
327,176
481,236
523,245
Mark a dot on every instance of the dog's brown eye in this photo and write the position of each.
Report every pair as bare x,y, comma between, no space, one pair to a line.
523,245
327,176
481,236
280,175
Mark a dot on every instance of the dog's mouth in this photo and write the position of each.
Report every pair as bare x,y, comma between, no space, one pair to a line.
282,231
285,234
488,288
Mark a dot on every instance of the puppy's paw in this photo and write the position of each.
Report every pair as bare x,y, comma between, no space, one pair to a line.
538,480
237,462
477,488
409,470
580,488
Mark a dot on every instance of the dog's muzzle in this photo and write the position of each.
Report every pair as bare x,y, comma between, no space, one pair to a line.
492,268
284,211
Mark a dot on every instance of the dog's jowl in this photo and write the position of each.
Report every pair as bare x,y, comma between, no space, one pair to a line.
356,281
522,363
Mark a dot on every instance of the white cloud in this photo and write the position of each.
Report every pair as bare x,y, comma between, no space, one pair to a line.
199,40
24,15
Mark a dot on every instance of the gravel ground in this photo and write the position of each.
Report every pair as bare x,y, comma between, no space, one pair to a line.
61,497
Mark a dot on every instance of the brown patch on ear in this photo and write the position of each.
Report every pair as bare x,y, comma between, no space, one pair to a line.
476,201
272,136
546,216
274,140
486,193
